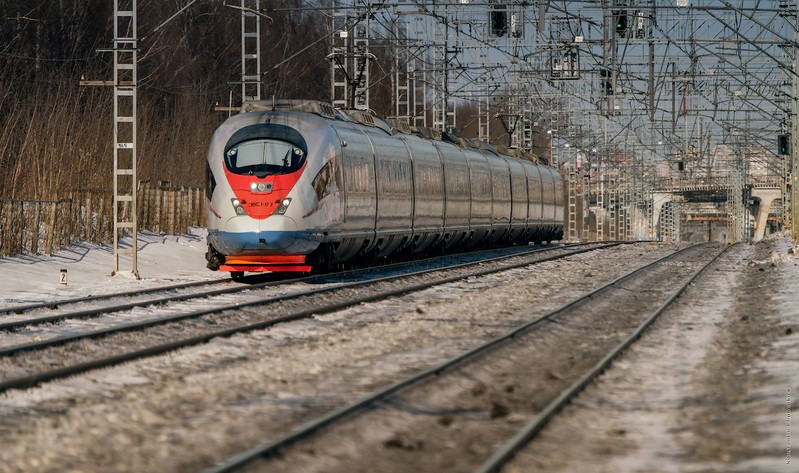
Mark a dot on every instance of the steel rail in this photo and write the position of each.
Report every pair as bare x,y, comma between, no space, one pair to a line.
55,304
88,313
92,298
535,426
96,312
273,448
36,378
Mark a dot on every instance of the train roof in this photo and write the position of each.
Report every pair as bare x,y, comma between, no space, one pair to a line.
323,109
391,125
316,107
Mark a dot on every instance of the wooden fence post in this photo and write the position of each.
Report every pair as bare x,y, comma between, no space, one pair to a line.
19,229
180,207
192,207
11,231
170,210
45,227
62,221
2,228
144,206
74,213
159,207
88,216
199,201
48,244
101,218
5,223
37,220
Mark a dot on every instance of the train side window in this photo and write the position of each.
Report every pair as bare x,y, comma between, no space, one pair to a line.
210,181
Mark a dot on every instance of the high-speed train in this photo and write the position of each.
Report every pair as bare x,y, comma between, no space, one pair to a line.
295,185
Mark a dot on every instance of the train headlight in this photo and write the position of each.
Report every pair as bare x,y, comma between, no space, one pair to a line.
237,206
260,186
284,205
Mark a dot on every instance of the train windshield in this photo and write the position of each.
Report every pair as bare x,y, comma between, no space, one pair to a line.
264,157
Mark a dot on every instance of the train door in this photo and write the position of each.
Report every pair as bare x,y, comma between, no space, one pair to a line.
428,192
394,191
518,191
360,190
500,197
457,200
536,202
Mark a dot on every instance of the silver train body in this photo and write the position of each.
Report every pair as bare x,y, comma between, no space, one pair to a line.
297,184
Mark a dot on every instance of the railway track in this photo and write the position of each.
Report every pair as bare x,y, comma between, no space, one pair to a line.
174,325
21,316
60,304
58,310
599,325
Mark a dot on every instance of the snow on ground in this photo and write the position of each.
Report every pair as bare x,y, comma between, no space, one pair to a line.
747,349
162,260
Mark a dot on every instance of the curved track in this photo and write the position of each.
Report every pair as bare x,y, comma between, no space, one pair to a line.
665,279
59,304
179,328
60,310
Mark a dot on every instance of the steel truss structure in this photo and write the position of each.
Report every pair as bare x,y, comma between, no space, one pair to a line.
125,52
634,96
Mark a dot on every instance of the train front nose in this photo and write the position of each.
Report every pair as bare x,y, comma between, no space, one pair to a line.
262,164
275,247
276,235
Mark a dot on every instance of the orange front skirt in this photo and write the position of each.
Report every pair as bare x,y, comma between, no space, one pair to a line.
270,263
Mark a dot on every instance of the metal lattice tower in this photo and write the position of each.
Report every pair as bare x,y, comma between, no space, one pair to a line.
555,155
791,205
572,204
667,222
612,210
339,85
125,83
404,71
600,211
419,95
736,208
350,56
586,200
361,60
443,102
646,222
250,50
627,200
484,118
520,109
670,217
527,124
410,80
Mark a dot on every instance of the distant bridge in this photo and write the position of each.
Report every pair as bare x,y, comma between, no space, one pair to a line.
763,191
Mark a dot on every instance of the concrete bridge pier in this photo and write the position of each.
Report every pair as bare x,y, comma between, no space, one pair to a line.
764,198
659,199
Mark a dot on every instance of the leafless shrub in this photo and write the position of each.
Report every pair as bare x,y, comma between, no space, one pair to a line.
56,135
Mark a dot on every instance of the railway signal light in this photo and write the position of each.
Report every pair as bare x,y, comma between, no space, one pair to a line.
607,81
621,21
784,143
498,19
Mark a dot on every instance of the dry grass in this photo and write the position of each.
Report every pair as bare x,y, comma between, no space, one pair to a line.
59,138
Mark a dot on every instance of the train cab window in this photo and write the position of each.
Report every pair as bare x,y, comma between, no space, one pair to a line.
210,182
264,157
